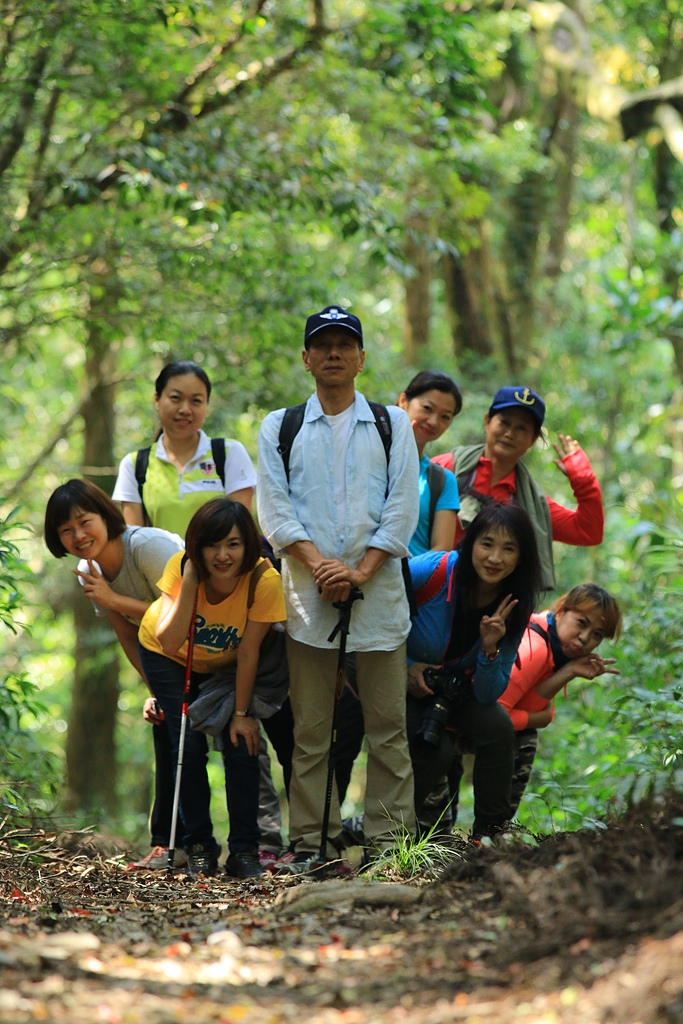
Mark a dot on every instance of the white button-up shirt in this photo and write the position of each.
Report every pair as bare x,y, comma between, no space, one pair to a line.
381,511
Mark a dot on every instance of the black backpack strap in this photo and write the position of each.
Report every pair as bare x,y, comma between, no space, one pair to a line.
408,584
383,424
218,452
141,464
291,425
554,646
436,481
541,632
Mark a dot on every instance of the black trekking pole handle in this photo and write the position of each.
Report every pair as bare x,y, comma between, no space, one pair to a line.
345,607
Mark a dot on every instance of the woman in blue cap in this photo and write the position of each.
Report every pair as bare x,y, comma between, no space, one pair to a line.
494,471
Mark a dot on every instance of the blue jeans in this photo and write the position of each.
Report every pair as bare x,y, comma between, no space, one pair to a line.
167,680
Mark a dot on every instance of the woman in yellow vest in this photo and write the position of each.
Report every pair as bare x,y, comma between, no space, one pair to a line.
181,473
179,476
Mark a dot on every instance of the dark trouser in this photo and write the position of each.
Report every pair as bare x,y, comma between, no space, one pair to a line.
485,728
280,731
167,678
164,776
526,745
242,793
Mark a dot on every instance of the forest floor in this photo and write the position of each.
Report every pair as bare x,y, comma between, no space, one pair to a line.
577,927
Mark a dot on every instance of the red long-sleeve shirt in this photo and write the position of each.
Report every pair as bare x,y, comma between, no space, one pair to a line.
582,526
534,664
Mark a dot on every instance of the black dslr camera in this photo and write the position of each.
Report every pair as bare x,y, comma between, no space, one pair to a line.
451,691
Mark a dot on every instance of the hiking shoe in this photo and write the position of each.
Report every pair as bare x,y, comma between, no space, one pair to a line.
352,833
244,864
157,860
487,834
281,863
267,858
307,863
202,859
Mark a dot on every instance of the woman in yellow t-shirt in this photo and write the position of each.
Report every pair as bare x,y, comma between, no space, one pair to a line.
223,550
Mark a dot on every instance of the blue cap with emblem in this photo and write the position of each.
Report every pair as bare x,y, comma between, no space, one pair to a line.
336,317
519,398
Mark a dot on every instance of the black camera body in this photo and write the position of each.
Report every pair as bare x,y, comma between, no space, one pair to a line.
451,691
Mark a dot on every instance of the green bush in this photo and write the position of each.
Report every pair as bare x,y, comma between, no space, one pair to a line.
27,775
618,739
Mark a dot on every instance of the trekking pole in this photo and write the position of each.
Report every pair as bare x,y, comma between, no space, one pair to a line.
183,730
342,628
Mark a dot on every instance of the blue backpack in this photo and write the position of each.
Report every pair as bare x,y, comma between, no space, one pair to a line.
432,579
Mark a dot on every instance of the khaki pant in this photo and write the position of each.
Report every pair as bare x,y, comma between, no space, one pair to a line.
389,797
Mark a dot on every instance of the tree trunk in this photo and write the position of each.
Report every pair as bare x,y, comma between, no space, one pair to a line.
90,747
418,304
563,152
473,303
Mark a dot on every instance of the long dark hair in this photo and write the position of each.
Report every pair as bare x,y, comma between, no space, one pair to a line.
524,583
79,496
211,523
434,380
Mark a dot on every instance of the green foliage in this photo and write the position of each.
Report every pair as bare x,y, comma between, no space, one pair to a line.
411,857
614,742
27,780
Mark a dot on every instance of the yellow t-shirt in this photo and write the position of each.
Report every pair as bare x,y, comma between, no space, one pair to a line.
218,627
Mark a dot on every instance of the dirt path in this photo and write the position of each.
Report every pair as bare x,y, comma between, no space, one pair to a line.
582,927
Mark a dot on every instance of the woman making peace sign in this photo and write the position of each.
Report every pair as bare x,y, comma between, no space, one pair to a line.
473,607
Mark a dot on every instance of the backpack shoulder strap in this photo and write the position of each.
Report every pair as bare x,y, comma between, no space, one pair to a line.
431,587
256,575
537,628
465,481
141,464
383,424
436,481
291,425
218,452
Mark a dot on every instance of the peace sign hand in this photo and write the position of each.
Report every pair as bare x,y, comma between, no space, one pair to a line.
492,627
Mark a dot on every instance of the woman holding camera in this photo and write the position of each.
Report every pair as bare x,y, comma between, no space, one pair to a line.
473,607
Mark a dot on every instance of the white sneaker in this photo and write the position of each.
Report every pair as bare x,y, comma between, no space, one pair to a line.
157,860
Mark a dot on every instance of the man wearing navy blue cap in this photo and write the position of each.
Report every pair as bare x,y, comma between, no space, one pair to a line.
341,504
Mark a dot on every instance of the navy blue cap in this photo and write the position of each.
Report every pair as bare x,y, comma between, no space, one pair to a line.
519,398
336,317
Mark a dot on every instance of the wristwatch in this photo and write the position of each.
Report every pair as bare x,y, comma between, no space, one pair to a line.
240,714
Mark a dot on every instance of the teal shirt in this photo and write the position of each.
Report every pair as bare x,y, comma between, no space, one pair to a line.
449,498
